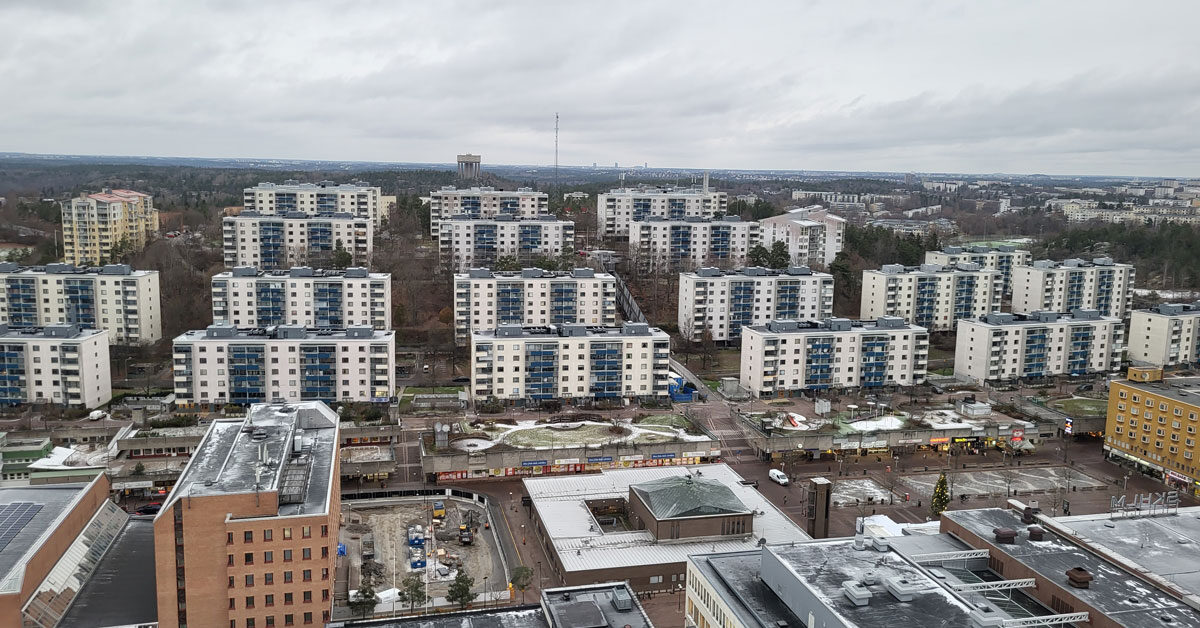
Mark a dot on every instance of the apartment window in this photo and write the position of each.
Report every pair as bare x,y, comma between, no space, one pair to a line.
307,597
248,536
308,618
249,601
230,582
269,600
307,575
229,560
229,538
287,576
325,528
268,557
268,534
287,598
269,578
306,532
288,620
287,555
287,534
249,579
232,604
248,558
306,553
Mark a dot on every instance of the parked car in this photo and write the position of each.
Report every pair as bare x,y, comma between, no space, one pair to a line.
778,477
150,509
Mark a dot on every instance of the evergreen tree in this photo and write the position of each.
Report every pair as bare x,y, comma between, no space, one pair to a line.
364,600
758,256
941,497
459,591
779,256
412,591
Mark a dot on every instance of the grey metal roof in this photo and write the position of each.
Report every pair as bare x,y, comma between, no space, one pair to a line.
687,496
55,500
121,591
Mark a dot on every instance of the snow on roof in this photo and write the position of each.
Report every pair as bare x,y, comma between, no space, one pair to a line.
582,546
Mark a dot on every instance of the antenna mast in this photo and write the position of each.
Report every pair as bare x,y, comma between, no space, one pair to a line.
555,150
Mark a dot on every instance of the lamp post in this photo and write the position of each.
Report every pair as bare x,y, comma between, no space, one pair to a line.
486,592
395,568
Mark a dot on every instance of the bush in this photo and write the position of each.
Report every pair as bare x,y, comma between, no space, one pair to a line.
491,406
178,420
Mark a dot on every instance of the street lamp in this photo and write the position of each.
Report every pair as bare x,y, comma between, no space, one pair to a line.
395,568
486,592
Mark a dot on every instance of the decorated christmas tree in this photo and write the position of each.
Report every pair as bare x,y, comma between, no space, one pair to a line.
941,497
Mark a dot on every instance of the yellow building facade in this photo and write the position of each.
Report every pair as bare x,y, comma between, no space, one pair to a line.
97,225
1153,423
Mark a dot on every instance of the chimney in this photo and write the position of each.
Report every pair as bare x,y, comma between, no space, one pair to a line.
1036,533
1027,515
1007,536
1079,578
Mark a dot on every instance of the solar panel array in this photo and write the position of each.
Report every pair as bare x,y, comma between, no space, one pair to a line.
13,518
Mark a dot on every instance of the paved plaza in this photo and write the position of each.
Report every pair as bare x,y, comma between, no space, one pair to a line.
994,483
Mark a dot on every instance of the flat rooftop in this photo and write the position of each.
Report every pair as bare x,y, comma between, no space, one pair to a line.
282,332
1181,389
302,272
49,332
113,270
254,215
570,330
532,273
309,187
228,460
581,544
30,514
833,325
822,567
1165,545
506,218
121,591
1038,319
1114,591
755,271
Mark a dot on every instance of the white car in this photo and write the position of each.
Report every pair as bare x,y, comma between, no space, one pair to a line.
778,477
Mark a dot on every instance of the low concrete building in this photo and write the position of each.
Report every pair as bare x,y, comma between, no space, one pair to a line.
641,524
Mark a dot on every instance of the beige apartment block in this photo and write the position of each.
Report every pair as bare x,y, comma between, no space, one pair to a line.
249,534
692,242
1002,258
295,239
484,202
783,358
931,296
95,226
60,364
577,363
1003,346
720,303
224,365
813,236
303,296
115,298
466,242
484,299
617,209
1166,335
1049,286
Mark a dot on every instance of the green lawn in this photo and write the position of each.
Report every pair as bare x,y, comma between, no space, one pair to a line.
949,370
1081,407
666,420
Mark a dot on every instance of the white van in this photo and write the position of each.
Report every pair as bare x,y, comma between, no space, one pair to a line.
778,477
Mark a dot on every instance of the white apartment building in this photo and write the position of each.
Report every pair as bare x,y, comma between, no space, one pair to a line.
59,364
359,199
692,242
116,298
465,242
1069,285
302,296
931,295
813,236
96,225
783,358
1003,346
1001,258
225,365
574,363
723,302
617,209
295,239
1166,335
484,299
484,202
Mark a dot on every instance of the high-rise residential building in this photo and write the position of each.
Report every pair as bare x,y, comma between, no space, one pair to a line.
1165,335
225,365
617,209
930,295
60,364
1073,284
692,242
484,299
303,296
572,362
359,199
484,202
96,227
1002,258
466,243
722,302
116,298
1004,347
784,358
813,236
1152,421
295,239
264,491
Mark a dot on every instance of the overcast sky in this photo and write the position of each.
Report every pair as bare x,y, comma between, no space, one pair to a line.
1090,87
